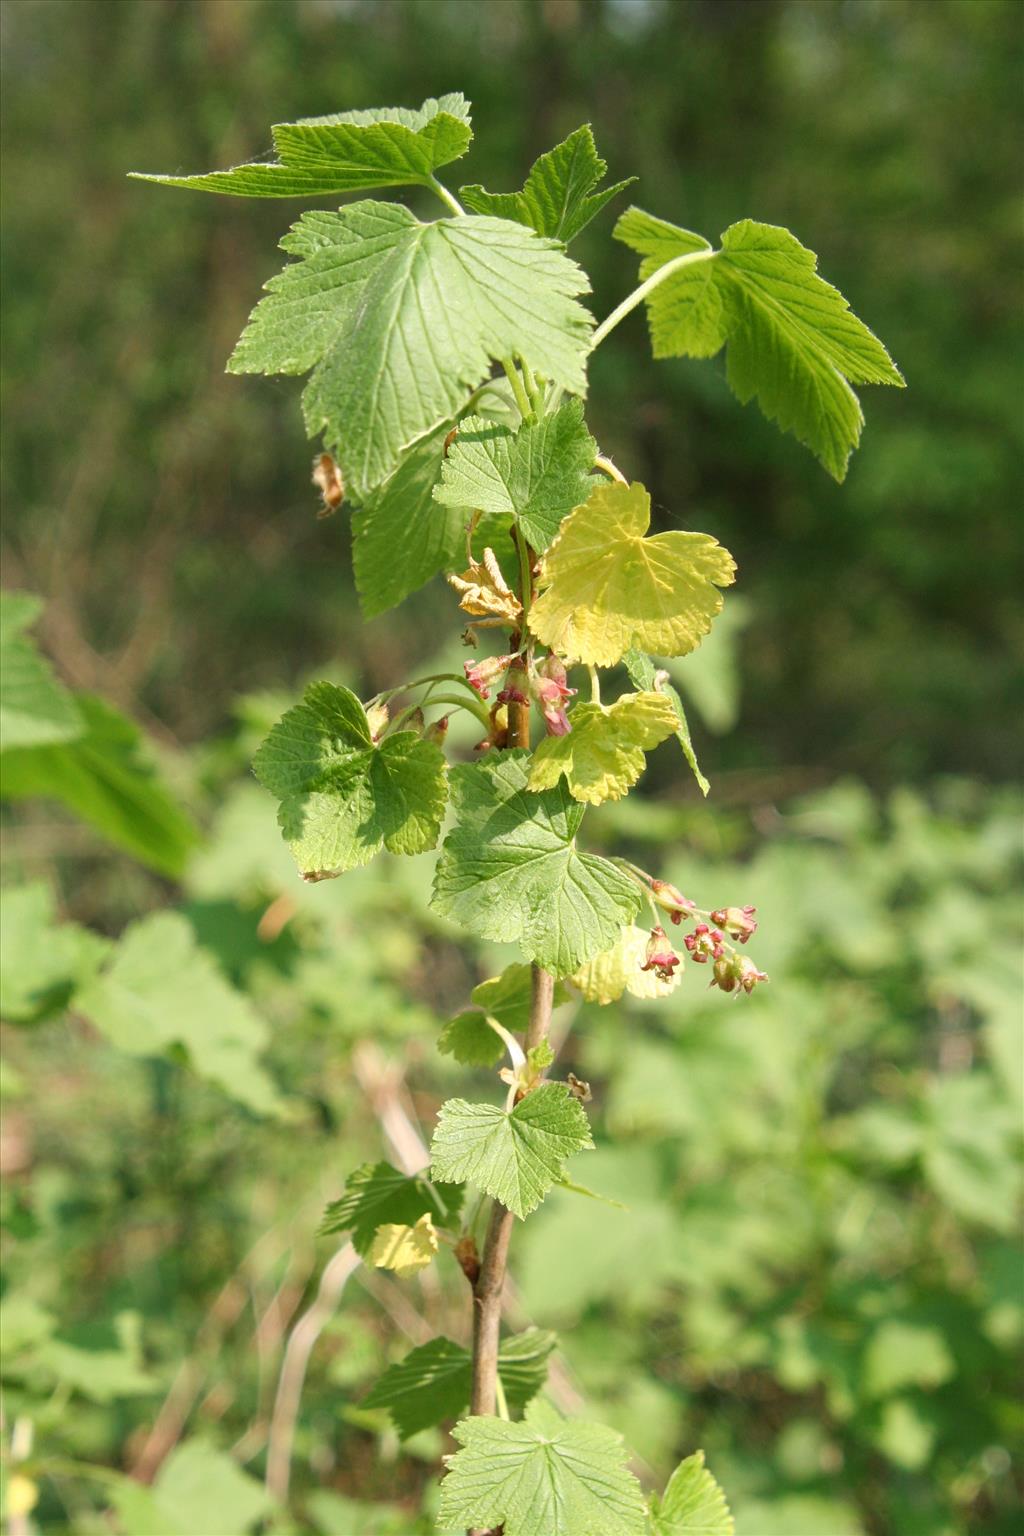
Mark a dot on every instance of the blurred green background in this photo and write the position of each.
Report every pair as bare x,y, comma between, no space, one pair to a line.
817,1277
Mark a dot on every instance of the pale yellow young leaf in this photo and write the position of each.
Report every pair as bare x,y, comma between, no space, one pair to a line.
619,969
406,1250
608,587
603,755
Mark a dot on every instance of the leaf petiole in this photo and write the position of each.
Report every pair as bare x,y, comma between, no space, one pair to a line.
638,295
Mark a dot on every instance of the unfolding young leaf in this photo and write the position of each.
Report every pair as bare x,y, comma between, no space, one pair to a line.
35,709
793,341
509,868
541,1477
377,1194
514,1155
161,990
693,1503
404,1249
559,197
347,152
342,798
609,588
535,474
603,755
619,969
433,1382
644,674
400,320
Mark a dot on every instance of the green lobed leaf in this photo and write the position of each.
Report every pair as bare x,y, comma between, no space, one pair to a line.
377,1195
559,198
470,1039
161,991
693,1504
433,1382
347,152
793,342
515,1155
643,674
400,320
104,777
42,961
602,756
35,709
608,587
510,870
536,474
342,798
540,1478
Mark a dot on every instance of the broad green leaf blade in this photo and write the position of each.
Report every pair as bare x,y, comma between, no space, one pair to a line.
347,152
619,969
603,755
793,342
400,320
341,798
471,1040
514,1156
509,869
540,1478
644,674
608,588
42,962
104,777
432,1384
401,538
693,1503
377,1194
200,1489
404,1249
161,991
35,709
535,475
559,198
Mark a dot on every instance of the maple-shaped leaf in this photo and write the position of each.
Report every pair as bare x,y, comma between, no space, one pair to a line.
510,870
559,198
377,1195
541,1477
347,152
404,1249
620,969
507,998
644,674
603,755
535,474
514,1155
433,1382
608,588
35,709
693,1503
399,320
793,341
343,798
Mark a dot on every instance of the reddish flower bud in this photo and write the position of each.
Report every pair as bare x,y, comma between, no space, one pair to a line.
749,975
738,922
724,975
437,732
512,696
660,957
480,674
548,685
671,901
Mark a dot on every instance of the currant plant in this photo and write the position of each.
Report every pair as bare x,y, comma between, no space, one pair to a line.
447,364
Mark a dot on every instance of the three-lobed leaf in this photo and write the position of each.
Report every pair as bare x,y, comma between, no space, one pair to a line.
342,798
514,1155
560,196
793,341
540,1477
693,1504
434,1381
378,1195
347,152
535,474
609,588
602,756
400,320
510,870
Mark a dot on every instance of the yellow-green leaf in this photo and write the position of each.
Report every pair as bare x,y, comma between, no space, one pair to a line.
608,588
406,1250
603,755
619,969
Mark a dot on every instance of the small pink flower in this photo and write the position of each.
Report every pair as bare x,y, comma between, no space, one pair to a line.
549,689
660,956
671,901
738,922
480,674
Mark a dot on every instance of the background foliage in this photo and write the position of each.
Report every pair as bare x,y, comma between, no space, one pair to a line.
820,1180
